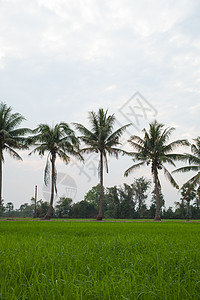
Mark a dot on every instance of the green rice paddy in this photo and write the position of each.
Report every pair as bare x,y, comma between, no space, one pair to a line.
99,260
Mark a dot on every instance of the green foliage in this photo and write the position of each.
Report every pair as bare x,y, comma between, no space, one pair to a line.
83,209
93,195
63,208
124,202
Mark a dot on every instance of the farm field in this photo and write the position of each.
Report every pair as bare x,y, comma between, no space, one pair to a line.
99,260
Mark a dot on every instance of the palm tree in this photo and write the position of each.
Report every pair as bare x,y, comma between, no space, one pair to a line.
102,139
194,165
11,136
59,140
153,150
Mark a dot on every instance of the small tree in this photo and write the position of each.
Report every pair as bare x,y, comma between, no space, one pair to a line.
188,197
141,186
127,199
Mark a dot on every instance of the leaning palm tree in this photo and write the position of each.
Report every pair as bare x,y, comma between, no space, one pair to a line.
12,137
59,140
194,165
102,139
154,150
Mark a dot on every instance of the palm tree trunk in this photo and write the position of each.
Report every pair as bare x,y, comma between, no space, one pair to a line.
100,214
50,209
157,192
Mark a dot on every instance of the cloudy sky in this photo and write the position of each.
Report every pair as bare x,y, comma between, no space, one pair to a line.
60,59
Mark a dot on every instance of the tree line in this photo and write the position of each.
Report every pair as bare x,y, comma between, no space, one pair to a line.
153,150
120,202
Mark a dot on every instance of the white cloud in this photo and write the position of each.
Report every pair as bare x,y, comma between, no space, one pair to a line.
111,87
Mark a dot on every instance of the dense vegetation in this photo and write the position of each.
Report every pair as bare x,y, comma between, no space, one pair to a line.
92,260
123,202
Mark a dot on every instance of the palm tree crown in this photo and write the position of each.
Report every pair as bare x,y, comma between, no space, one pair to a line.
194,165
154,150
60,141
11,136
102,139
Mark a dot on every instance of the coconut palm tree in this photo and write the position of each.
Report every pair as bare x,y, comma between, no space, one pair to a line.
194,165
12,137
59,141
102,139
154,150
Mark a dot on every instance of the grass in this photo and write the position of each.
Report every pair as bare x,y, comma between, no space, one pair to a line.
95,260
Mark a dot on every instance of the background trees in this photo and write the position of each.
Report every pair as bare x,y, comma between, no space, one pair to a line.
126,201
116,205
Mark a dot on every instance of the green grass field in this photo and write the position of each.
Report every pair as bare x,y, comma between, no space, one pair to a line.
99,260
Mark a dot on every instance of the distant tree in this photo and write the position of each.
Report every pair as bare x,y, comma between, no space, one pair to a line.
162,200
102,139
43,208
154,150
141,186
60,141
2,207
152,210
180,211
128,202
9,208
83,209
113,200
63,207
25,210
197,202
188,197
11,136
168,214
23,207
93,195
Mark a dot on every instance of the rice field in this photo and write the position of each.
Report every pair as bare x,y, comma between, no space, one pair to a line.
99,260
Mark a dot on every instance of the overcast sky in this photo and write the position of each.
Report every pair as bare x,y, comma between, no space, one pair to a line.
60,59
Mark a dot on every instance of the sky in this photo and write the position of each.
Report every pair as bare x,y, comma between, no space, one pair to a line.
60,59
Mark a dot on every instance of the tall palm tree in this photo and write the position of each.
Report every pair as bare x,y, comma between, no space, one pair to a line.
194,165
59,140
154,150
102,139
11,136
